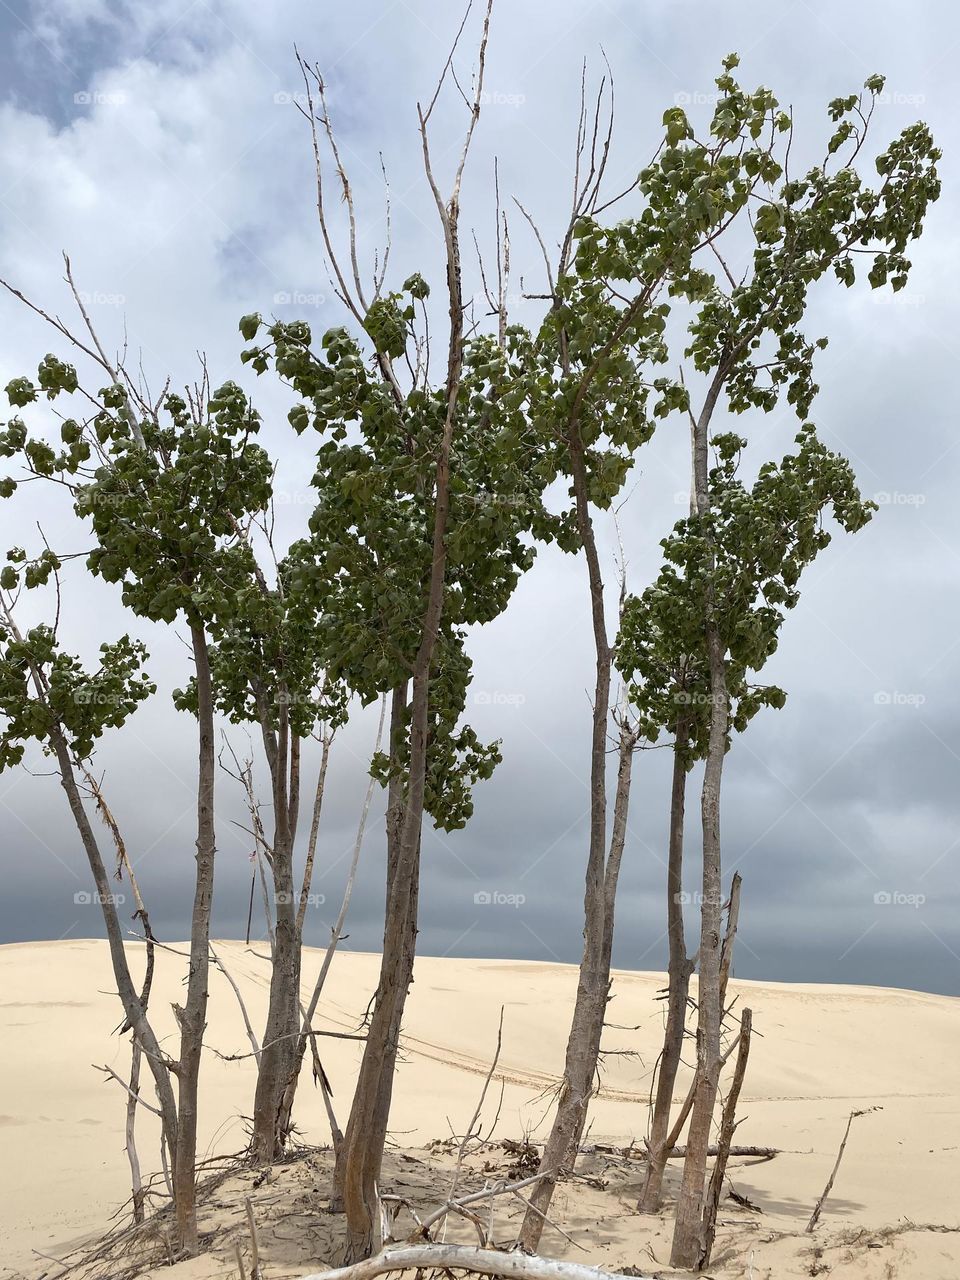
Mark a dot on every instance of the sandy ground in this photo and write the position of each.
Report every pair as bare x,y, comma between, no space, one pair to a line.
818,1053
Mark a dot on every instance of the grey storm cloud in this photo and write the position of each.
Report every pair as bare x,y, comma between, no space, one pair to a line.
161,146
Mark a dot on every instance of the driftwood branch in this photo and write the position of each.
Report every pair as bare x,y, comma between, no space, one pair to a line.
486,1262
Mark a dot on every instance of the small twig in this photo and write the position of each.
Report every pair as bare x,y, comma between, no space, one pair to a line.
255,1272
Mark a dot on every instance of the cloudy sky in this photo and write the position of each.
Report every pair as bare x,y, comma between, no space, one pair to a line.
161,147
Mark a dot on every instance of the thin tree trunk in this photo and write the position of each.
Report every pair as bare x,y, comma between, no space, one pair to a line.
678,989
192,1018
278,1048
132,1007
727,1126
290,1089
593,984
688,1231
358,1168
133,1099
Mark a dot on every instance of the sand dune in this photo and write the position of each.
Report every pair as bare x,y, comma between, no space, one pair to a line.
820,1052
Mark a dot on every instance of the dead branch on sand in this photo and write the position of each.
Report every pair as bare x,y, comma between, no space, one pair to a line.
485,1262
815,1216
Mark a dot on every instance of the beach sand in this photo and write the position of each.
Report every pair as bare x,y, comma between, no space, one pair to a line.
818,1053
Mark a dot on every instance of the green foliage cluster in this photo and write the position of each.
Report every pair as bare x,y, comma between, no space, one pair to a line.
749,551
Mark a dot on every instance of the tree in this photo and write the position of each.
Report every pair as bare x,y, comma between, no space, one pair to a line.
267,670
164,488
763,537
426,496
746,340
599,344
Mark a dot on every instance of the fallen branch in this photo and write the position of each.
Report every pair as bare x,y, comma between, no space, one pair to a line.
486,1262
815,1216
762,1153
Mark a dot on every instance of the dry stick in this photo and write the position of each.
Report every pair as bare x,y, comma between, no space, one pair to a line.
549,1222
726,951
762,1153
486,1262
681,1119
314,830
136,1049
254,1043
451,1203
108,1071
266,901
726,957
728,1124
236,1248
130,1131
476,1115
351,878
335,935
498,1189
815,1216
244,776
255,1272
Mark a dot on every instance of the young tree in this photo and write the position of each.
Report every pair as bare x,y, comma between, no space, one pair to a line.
164,487
763,538
426,493
267,670
606,329
746,340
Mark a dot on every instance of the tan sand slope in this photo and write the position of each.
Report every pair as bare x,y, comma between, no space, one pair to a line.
820,1052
